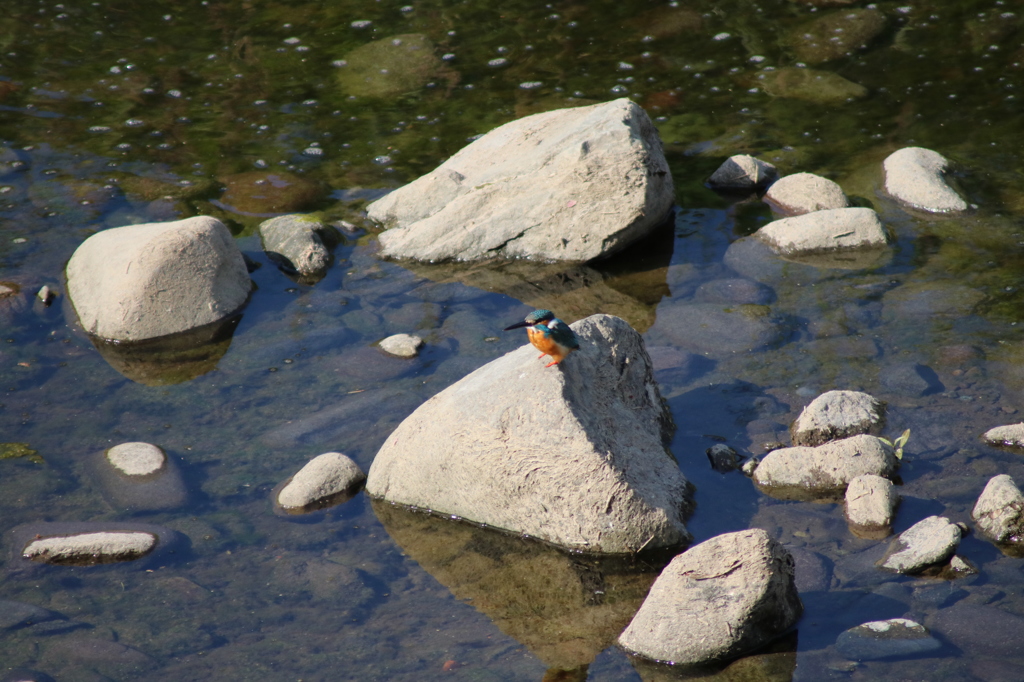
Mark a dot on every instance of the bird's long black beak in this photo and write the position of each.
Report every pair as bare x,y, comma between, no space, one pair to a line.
517,325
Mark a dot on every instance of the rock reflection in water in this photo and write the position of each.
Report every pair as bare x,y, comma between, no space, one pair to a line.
565,608
774,663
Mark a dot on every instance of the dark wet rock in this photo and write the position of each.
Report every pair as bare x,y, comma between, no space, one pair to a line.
911,380
894,638
146,281
25,675
805,193
812,85
268,193
13,302
16,615
836,34
718,600
938,596
999,512
392,67
824,231
755,259
84,543
402,345
824,471
1008,435
368,365
723,458
936,298
813,571
565,185
140,477
980,630
598,480
743,172
110,658
718,329
929,543
736,291
843,347
871,503
294,242
838,414
915,177
327,479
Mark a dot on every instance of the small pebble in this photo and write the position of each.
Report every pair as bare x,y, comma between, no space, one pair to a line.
402,345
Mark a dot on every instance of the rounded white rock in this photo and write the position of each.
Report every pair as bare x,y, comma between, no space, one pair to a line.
402,345
136,459
328,474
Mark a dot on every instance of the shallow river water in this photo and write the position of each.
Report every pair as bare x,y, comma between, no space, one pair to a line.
117,112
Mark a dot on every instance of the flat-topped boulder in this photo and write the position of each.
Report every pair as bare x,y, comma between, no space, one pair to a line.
838,414
825,231
566,185
146,281
572,454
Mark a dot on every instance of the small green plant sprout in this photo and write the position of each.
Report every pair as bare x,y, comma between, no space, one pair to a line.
897,445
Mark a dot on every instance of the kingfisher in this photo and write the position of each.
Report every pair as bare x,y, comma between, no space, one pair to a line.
549,335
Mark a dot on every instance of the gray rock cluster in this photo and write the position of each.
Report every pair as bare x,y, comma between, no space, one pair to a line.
567,185
804,472
572,454
146,281
716,601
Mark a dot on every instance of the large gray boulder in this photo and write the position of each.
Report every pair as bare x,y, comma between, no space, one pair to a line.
145,281
572,454
916,177
999,511
718,600
567,185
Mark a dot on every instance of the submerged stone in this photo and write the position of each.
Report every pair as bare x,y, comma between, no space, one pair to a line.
893,638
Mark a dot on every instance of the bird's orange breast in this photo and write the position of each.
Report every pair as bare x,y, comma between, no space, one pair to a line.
545,344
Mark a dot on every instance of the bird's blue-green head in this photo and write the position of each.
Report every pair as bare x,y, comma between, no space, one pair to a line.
536,317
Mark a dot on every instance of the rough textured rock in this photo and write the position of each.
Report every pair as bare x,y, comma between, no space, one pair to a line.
838,229
571,454
402,345
145,281
928,543
742,172
999,511
716,601
325,479
90,548
914,175
871,506
811,85
838,414
804,193
140,477
1011,435
294,242
893,638
392,67
824,470
570,185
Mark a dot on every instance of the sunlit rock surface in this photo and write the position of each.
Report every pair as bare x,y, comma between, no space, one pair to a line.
999,511
929,543
871,506
326,479
85,543
915,176
742,171
805,192
145,281
402,345
839,229
568,185
1007,435
838,414
716,601
572,454
294,243
803,472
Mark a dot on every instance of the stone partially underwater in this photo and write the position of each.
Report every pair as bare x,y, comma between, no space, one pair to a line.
573,455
